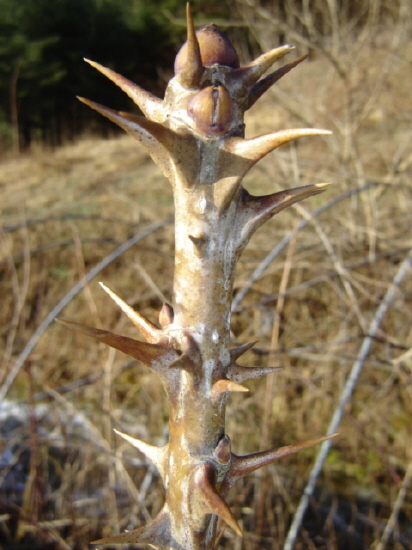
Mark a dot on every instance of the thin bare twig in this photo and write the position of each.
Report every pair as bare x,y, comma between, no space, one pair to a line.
390,526
345,397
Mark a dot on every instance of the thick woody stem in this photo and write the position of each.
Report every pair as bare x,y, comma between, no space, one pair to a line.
195,135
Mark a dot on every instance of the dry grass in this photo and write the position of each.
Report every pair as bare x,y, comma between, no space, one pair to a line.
63,211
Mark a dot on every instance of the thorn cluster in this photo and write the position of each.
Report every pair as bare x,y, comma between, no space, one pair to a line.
196,136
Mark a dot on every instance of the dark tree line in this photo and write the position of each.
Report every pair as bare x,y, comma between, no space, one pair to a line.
42,45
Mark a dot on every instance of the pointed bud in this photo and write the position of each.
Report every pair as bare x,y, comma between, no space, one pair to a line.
211,110
215,48
237,373
223,450
166,315
199,242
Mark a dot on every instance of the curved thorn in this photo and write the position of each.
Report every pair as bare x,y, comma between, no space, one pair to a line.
155,138
138,126
156,454
213,503
271,204
150,105
252,150
150,331
235,353
149,354
263,85
244,465
251,72
256,210
155,533
192,72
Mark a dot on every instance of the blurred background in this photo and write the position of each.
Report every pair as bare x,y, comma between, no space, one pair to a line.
81,202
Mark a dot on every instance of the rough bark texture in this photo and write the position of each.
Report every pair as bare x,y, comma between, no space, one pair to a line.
195,135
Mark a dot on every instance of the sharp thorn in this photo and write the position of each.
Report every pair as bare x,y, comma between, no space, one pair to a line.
149,354
155,454
148,329
223,386
151,105
263,85
137,126
250,73
154,137
235,353
213,503
238,373
199,240
244,465
254,149
129,537
192,71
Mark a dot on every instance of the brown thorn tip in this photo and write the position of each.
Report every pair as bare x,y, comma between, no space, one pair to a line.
222,386
150,331
238,373
235,353
125,538
244,465
213,502
148,353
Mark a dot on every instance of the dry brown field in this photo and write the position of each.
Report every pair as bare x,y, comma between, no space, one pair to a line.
65,477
